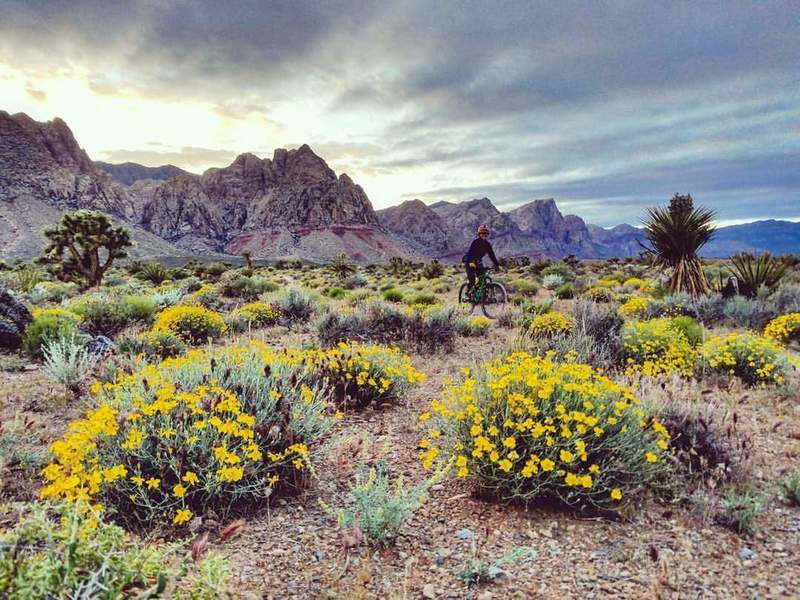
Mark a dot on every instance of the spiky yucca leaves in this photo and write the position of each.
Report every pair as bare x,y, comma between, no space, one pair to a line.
754,272
75,246
676,234
341,266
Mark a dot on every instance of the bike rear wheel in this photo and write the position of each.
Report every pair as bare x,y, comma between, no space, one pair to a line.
494,300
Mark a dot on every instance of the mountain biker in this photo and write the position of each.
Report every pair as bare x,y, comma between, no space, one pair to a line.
473,259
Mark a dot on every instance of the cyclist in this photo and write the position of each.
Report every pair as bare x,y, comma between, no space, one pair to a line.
473,259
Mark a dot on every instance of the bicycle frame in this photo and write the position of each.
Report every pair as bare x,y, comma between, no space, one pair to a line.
480,286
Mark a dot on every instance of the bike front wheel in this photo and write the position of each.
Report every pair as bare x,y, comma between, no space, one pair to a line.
495,299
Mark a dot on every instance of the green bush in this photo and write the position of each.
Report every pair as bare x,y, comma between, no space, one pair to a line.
424,298
393,295
108,315
690,328
741,510
565,292
48,327
296,305
335,293
155,273
154,345
65,551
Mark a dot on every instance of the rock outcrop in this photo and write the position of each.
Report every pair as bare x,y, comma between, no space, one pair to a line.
128,173
14,319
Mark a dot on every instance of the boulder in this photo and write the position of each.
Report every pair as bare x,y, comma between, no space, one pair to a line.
14,318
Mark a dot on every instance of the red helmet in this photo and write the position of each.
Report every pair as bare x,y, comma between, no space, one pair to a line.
484,229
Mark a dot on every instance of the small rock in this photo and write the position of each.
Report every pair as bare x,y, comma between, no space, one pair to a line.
747,554
429,591
465,534
485,596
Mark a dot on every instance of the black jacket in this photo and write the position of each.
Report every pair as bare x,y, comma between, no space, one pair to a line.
478,249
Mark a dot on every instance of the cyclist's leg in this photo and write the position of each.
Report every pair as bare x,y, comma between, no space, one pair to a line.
470,277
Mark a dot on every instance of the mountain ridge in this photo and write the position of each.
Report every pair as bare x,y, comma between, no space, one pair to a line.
291,205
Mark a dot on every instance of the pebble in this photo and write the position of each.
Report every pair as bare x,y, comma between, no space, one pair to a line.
465,534
748,554
429,591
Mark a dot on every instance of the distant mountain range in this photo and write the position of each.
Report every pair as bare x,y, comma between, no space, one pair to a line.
292,205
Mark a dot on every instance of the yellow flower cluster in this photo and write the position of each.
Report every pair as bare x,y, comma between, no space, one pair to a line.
784,328
363,373
635,307
527,427
193,324
550,323
599,294
749,356
656,347
259,314
172,438
636,283
479,323
608,283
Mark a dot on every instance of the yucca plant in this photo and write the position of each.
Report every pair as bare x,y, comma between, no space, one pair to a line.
676,235
754,272
341,266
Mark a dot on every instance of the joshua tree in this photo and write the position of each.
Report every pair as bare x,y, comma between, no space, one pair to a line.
676,234
396,266
84,245
248,259
342,266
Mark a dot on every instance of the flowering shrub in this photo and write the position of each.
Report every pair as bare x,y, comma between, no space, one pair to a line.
362,374
749,356
636,283
525,427
46,326
153,345
549,324
599,294
207,431
784,328
194,324
472,326
608,283
656,347
206,295
59,313
636,307
259,314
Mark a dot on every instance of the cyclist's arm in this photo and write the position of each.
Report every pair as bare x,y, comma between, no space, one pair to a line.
493,257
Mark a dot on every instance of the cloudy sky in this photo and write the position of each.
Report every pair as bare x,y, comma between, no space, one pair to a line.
608,106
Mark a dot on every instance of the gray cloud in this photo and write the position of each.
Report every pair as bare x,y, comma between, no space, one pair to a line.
606,106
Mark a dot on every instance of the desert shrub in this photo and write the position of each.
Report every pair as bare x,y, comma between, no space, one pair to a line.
550,324
211,431
67,361
211,270
296,306
335,293
424,298
379,507
526,428
239,285
64,551
561,269
506,317
636,307
691,329
756,272
635,283
258,314
599,321
167,296
49,325
741,510
747,312
432,270
356,280
104,315
28,276
193,324
154,273
52,291
393,295
360,297
525,287
475,326
786,298
784,328
432,329
656,347
552,281
206,296
790,488
565,292
749,356
598,294
362,375
709,308
153,345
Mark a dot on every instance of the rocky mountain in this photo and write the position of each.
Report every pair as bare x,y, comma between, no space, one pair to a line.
129,172
290,205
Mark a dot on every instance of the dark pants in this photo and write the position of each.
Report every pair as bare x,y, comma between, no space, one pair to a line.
473,272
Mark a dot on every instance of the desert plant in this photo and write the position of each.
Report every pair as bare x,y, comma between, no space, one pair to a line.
154,273
67,361
214,430
296,305
790,487
749,356
754,272
393,295
691,329
84,245
550,324
472,326
747,312
193,324
656,347
341,266
27,277
432,270
784,328
66,551
552,281
565,291
741,510
48,326
676,234
153,345
526,428
598,293
478,571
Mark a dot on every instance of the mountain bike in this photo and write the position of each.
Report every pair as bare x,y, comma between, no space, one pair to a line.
491,295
